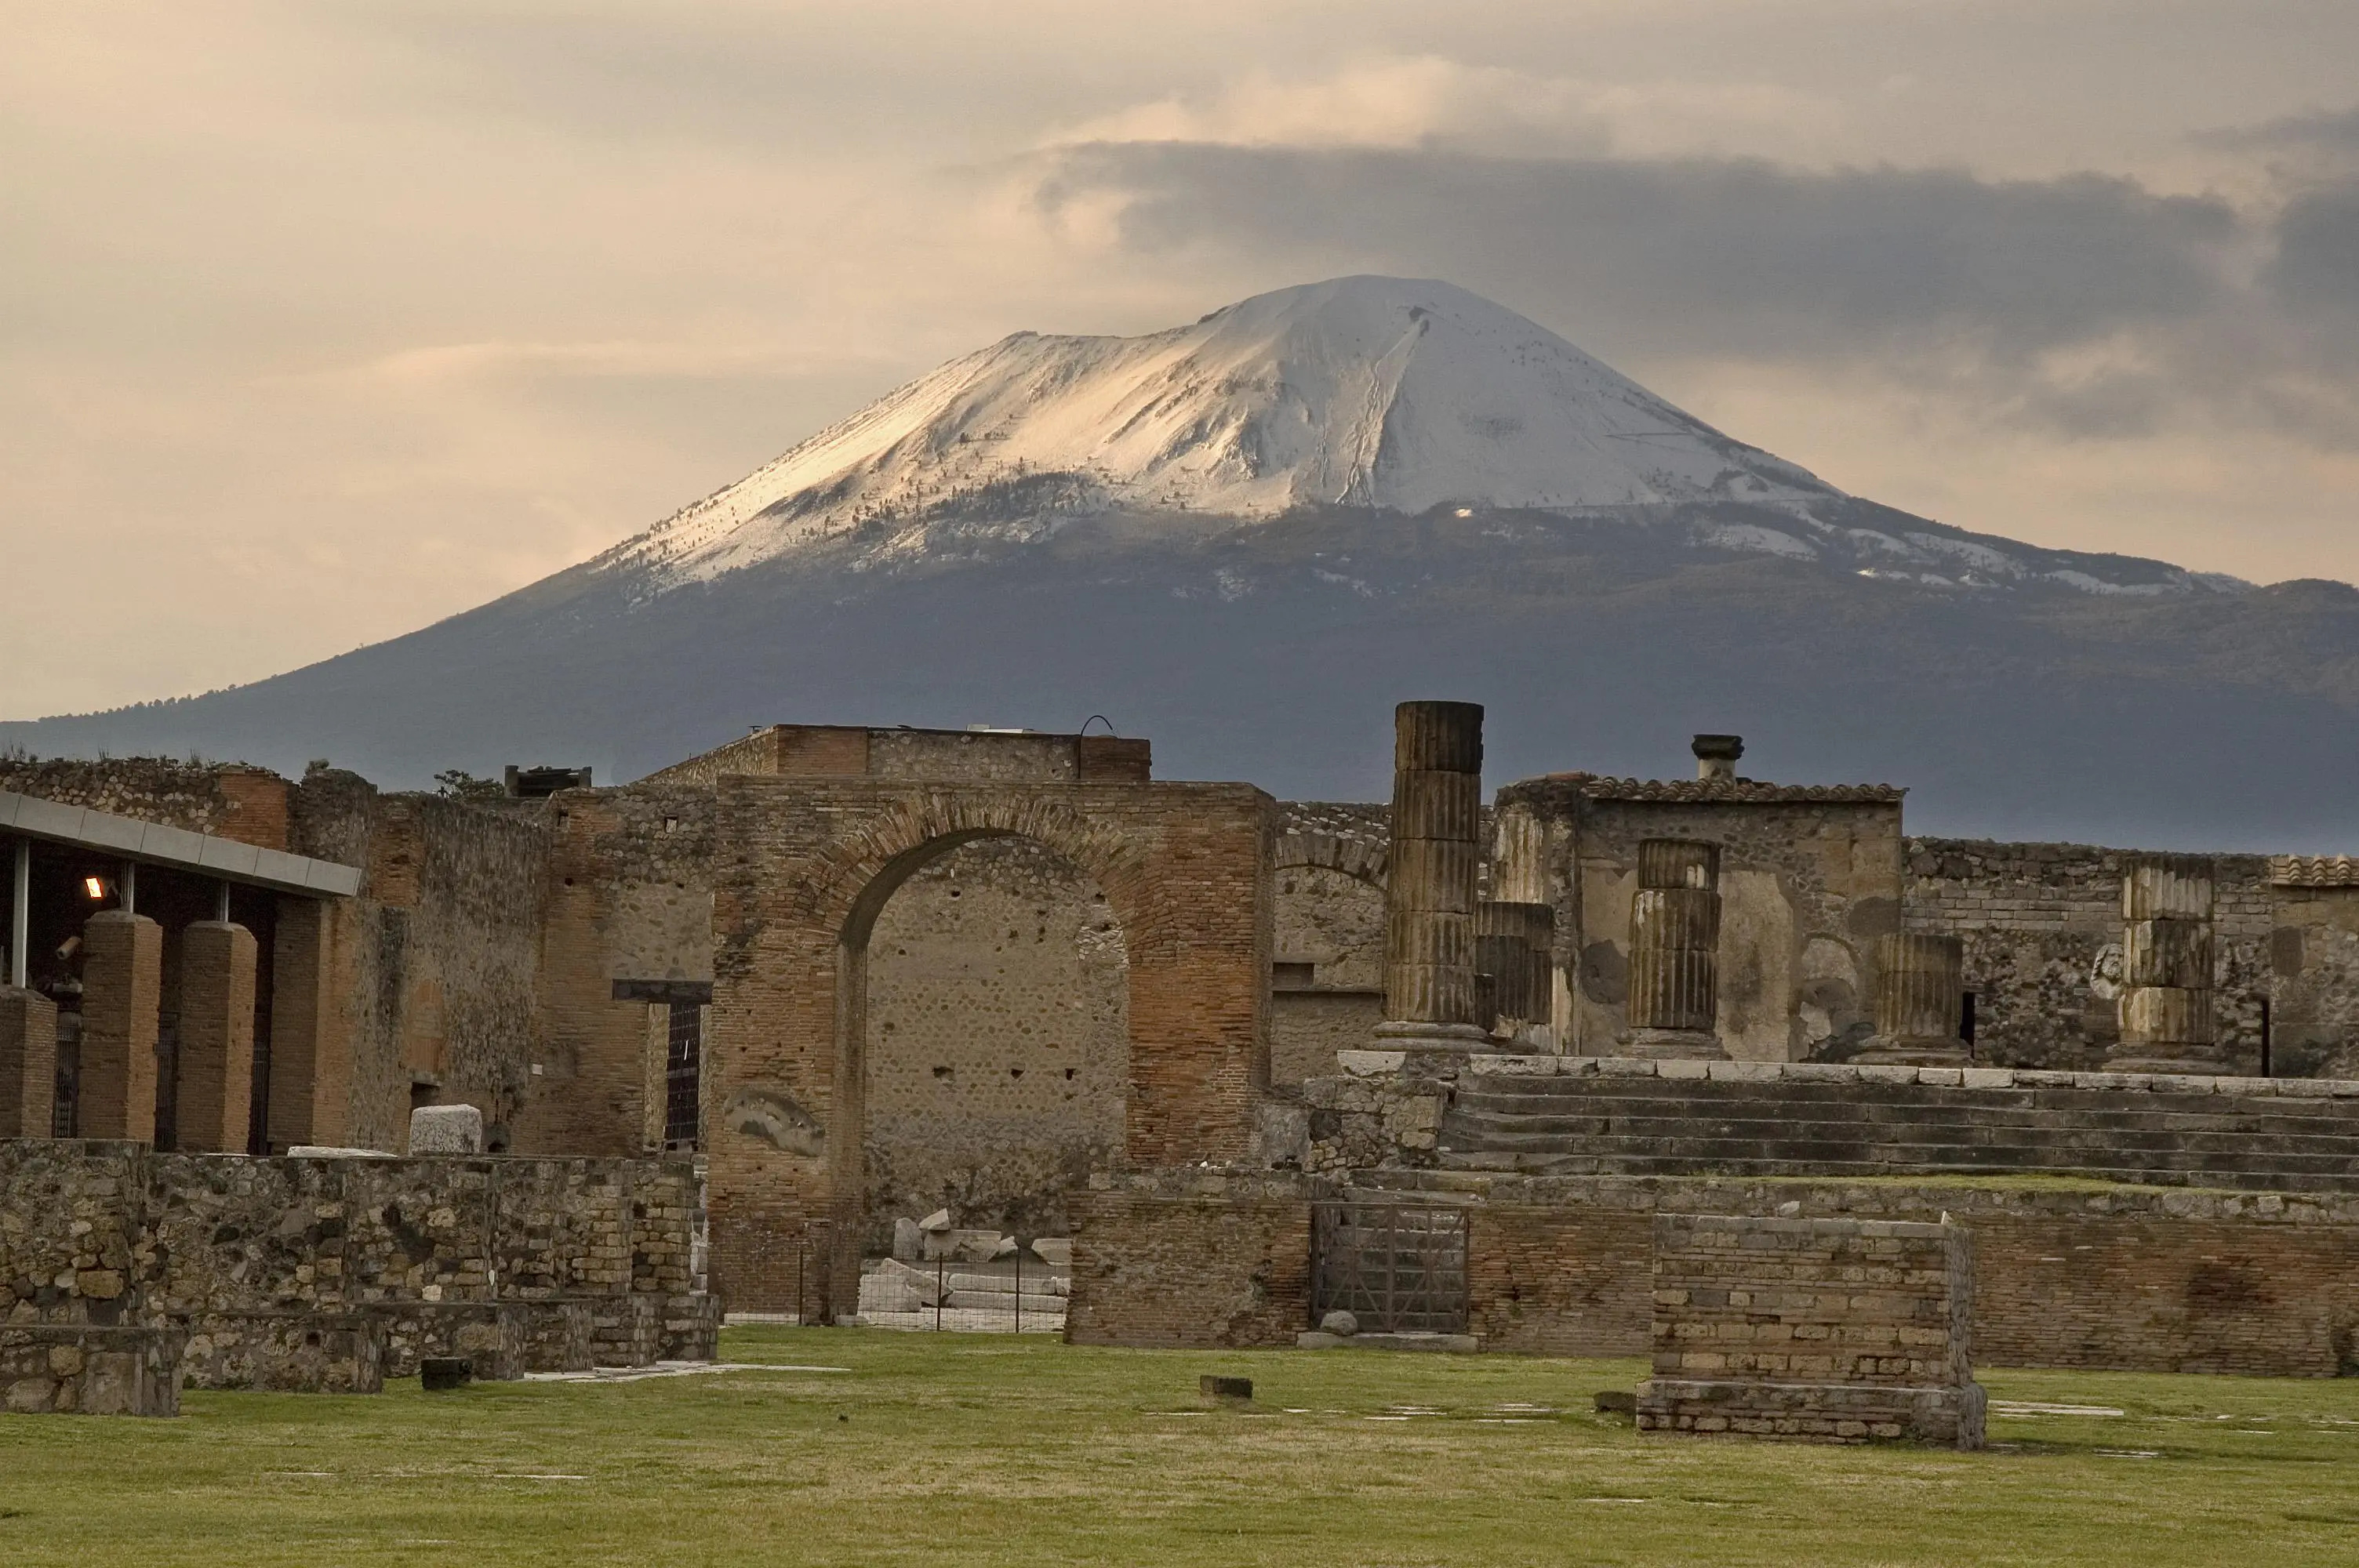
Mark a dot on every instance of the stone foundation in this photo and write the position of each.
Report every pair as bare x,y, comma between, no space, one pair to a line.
285,1352
1832,1330
79,1369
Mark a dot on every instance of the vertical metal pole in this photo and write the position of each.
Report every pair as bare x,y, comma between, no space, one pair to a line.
1019,1287
802,1252
20,916
129,886
938,1295
220,904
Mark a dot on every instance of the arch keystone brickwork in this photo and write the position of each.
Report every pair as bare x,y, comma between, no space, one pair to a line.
803,867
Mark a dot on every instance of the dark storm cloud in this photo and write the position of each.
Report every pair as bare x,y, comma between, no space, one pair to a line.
2087,304
2317,264
1730,256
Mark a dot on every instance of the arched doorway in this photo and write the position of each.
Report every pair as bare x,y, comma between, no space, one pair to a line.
997,1046
805,870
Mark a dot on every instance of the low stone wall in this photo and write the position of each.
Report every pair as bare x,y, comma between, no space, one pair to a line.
287,1352
1192,1261
280,1268
82,1369
1828,1330
2067,1274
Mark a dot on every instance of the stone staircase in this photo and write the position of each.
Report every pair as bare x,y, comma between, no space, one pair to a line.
1595,1124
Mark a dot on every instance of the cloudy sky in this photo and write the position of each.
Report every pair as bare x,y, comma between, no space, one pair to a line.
321,321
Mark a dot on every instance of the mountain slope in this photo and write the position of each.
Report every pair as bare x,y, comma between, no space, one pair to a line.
1248,537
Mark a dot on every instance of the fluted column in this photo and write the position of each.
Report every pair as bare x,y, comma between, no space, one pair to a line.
1674,950
1430,876
1920,988
2167,967
1513,944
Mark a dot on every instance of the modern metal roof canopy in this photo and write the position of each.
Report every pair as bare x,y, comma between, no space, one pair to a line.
152,843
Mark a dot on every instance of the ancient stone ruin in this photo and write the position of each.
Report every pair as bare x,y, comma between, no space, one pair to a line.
551,1076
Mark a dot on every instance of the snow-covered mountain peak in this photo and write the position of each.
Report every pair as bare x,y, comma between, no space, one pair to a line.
1391,394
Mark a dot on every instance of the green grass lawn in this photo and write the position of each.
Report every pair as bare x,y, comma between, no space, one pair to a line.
980,1450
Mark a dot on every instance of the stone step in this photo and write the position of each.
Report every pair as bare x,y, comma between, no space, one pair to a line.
1704,1139
1463,1129
1947,1105
1535,1164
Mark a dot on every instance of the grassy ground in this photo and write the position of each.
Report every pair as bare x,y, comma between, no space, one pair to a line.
984,1450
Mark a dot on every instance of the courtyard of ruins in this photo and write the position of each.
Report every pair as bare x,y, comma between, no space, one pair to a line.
991,1451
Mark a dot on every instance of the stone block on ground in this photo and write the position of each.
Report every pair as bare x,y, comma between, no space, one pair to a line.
489,1334
1056,1251
446,1130
908,1240
82,1370
283,1352
557,1334
626,1330
692,1327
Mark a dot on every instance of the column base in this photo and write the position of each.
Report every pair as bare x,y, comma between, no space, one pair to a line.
1914,1052
1404,1034
1677,1045
2154,1056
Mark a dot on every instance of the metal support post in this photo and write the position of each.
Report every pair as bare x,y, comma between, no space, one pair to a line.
20,916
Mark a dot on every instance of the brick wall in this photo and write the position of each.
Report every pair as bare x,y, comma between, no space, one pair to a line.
1170,1271
2070,1275
805,867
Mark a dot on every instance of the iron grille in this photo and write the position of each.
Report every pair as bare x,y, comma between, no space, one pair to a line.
682,1063
1398,1268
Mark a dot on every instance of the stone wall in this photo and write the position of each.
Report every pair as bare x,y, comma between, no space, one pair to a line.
998,1041
234,800
2067,1274
76,1370
103,1233
1329,866
2314,990
2043,925
1810,877
629,897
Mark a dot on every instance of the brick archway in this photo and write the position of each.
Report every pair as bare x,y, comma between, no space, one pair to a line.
806,865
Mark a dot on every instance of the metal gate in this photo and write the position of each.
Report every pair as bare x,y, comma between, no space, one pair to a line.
1398,1268
683,1072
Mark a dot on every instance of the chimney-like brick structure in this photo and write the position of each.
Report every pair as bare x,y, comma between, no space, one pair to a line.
122,986
1716,755
1919,1000
1430,878
1674,951
2167,967
216,1061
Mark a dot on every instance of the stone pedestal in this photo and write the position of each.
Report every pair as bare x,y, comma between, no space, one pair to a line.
446,1130
29,1062
1674,951
1919,1000
215,1089
2166,1019
1430,878
122,983
1817,1330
